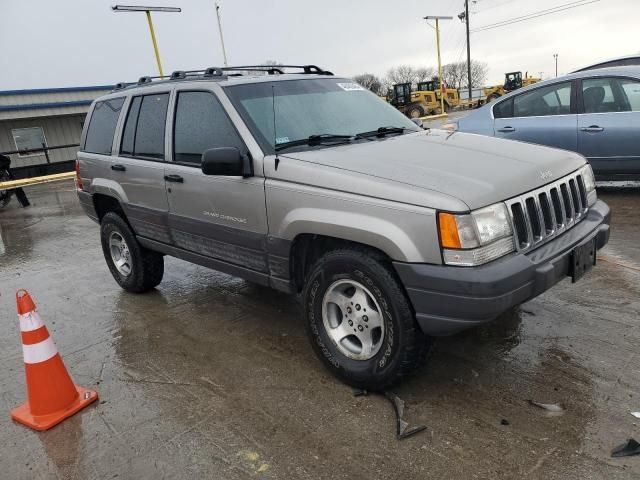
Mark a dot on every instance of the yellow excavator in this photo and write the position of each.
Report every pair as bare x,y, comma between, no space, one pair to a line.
512,81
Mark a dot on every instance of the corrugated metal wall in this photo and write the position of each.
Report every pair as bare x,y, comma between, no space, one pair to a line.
57,131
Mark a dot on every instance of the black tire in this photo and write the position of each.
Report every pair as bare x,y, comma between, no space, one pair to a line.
147,267
415,111
404,347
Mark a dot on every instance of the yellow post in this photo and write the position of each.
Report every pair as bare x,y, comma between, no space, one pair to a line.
155,44
439,66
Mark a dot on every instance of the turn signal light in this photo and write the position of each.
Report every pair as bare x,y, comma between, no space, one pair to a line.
449,237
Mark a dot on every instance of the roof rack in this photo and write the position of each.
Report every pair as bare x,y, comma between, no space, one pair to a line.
221,72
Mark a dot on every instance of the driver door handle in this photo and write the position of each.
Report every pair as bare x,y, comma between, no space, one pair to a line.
506,129
174,178
592,129
118,168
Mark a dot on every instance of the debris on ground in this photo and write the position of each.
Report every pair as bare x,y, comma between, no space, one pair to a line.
402,426
549,407
636,414
628,449
504,422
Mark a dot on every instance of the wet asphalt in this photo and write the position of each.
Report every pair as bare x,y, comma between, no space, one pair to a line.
212,377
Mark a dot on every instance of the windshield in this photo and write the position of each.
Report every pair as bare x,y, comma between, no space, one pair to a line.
305,108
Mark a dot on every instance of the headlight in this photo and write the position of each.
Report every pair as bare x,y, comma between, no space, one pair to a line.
589,183
476,238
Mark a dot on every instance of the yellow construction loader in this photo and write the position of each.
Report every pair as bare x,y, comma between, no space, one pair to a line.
512,81
414,104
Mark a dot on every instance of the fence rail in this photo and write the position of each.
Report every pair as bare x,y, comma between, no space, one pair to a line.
44,149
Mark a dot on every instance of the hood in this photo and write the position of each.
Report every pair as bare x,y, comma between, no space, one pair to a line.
475,169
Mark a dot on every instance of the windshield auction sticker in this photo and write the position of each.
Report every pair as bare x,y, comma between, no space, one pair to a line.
349,87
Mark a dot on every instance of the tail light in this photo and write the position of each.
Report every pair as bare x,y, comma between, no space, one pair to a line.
79,184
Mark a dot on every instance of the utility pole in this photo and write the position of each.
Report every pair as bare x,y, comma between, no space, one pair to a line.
555,55
224,52
437,18
466,18
148,10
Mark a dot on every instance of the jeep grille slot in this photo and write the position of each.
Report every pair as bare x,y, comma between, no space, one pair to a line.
520,225
534,218
547,212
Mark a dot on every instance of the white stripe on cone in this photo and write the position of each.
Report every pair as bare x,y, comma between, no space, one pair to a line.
39,352
30,321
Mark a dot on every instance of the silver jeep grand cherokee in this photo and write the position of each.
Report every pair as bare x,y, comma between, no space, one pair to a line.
310,184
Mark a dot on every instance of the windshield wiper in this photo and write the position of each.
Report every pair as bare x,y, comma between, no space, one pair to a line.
380,132
314,140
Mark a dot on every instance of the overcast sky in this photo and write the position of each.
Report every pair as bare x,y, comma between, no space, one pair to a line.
65,43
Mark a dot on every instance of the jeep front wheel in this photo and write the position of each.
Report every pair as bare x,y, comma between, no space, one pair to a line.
359,320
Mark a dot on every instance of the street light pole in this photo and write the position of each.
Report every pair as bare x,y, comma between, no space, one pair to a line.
555,55
437,19
155,43
224,51
147,11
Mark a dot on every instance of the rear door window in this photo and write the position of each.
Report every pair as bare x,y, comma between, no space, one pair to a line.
200,124
603,95
144,129
610,95
102,126
544,101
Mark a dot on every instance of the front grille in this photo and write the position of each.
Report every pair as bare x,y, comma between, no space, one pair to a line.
545,213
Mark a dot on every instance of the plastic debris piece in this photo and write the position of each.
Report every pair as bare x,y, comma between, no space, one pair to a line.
549,407
628,449
402,426
636,414
402,431
505,422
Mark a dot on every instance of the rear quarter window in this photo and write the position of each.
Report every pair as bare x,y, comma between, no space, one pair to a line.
503,109
102,126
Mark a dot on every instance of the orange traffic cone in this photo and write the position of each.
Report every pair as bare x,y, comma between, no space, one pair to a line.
52,395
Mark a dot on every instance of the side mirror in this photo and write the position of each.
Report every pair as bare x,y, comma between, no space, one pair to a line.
227,161
417,121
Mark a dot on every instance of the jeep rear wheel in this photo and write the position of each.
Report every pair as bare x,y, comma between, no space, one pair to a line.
359,320
135,268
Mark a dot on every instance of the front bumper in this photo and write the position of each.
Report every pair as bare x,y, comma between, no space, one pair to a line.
449,299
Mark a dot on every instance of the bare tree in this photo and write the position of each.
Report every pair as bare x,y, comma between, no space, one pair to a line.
424,73
455,74
370,82
408,74
402,74
478,74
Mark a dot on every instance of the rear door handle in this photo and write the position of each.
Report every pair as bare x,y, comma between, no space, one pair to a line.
592,129
118,168
506,129
174,178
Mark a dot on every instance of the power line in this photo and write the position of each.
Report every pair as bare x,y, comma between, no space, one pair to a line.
530,16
